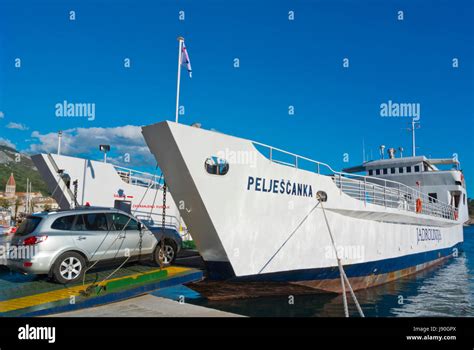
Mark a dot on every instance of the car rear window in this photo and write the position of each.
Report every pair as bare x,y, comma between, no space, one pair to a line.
64,223
28,225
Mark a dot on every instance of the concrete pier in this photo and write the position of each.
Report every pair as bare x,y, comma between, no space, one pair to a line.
147,306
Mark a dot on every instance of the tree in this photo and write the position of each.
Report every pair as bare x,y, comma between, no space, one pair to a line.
4,203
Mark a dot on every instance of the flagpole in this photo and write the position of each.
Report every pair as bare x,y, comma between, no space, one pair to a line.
181,40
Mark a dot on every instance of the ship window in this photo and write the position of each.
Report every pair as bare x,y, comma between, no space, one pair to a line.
455,199
400,170
408,169
385,171
377,172
392,170
417,168
216,166
371,172
433,197
464,199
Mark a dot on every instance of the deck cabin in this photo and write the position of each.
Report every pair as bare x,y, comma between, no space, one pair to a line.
440,179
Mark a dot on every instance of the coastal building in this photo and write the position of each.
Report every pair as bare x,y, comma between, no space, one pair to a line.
10,188
17,202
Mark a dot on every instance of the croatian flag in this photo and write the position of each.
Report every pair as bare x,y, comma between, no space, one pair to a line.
185,60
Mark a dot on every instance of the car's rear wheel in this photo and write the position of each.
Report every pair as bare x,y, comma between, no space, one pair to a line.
69,268
169,256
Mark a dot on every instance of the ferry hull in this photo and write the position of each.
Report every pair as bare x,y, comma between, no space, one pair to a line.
248,228
361,276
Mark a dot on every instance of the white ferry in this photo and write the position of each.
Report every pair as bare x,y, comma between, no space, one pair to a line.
78,182
257,212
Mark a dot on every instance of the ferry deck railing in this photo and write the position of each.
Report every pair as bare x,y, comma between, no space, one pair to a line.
171,221
369,189
143,179
139,178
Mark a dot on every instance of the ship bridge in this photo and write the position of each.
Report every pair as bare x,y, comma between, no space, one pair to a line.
440,178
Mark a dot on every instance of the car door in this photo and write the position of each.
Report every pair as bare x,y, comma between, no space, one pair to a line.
93,236
136,241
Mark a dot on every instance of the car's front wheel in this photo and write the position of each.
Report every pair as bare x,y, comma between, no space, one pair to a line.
69,268
168,257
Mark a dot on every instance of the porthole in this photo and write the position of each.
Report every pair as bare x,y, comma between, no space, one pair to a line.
216,166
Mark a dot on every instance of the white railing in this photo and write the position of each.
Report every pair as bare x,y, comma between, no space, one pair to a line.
392,195
371,189
171,221
143,179
139,178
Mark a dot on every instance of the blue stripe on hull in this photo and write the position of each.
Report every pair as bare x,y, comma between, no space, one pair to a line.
224,271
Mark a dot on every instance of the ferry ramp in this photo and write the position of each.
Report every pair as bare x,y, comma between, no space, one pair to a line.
25,295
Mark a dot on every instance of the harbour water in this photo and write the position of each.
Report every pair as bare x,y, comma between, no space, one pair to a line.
443,291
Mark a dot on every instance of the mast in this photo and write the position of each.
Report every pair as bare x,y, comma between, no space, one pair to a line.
180,48
60,134
414,124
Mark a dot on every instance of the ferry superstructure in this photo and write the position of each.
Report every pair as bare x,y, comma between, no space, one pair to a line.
441,185
261,220
77,181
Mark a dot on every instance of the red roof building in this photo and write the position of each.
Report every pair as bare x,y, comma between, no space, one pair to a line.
10,188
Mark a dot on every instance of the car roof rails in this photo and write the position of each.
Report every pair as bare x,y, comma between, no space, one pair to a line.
88,207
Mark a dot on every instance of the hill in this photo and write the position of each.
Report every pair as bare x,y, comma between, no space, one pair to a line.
22,170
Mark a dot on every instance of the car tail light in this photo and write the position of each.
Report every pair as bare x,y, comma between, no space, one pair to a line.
27,264
34,240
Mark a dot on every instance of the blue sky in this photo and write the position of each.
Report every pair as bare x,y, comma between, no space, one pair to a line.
282,63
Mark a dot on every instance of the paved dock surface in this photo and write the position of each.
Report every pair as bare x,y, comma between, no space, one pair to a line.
147,306
30,296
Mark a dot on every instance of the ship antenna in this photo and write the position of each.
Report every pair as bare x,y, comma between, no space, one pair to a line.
415,124
363,150
382,148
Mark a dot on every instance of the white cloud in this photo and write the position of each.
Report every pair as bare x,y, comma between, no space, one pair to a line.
123,140
6,142
2,115
17,126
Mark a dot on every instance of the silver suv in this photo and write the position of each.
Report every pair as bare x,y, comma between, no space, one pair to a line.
64,244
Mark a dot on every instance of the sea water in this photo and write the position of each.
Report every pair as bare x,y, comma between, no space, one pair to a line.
442,291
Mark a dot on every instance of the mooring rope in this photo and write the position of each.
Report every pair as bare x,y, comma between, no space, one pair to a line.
341,269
